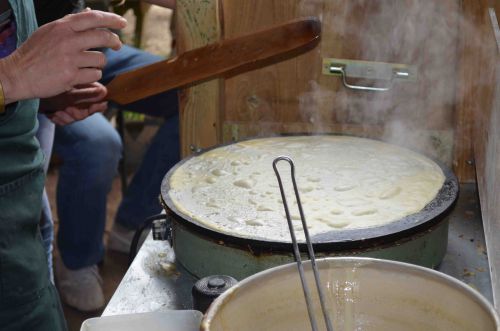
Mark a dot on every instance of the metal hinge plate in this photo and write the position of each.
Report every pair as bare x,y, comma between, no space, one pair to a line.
386,73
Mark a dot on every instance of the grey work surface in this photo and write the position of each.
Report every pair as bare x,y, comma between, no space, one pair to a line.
151,285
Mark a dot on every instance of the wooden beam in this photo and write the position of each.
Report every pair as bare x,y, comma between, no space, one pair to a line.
372,30
468,92
197,24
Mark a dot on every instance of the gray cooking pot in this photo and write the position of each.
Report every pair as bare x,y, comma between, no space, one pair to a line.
420,238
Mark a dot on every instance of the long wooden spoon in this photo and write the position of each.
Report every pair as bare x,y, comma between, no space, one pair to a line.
224,58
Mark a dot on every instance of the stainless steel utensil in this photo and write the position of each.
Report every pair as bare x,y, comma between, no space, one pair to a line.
296,251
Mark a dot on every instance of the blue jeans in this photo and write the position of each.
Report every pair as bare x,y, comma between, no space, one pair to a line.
90,151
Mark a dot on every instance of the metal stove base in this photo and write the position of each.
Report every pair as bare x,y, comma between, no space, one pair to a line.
150,284
466,257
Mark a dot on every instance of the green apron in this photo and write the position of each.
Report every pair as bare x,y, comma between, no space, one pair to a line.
28,300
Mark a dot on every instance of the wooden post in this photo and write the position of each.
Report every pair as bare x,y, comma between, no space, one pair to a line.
469,103
197,24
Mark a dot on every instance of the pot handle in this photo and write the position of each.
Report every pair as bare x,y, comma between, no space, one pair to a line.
389,73
162,232
162,229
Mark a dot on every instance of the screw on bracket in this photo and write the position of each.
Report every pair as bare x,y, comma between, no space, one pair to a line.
194,148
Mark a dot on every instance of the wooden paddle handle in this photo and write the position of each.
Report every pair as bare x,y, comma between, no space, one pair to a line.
223,58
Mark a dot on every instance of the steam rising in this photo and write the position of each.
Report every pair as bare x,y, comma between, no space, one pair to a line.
418,115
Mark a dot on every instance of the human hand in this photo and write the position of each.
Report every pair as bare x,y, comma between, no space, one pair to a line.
56,57
76,104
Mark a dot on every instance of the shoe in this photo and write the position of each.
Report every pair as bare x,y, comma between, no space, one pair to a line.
81,288
120,238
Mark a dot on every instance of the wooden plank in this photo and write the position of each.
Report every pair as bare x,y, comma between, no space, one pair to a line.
374,30
234,131
487,153
197,24
469,102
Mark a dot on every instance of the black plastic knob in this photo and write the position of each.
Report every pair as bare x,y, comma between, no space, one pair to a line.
207,289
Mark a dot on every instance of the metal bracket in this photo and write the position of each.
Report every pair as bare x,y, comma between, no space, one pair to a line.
377,71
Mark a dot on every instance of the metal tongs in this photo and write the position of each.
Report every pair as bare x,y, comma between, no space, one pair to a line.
296,251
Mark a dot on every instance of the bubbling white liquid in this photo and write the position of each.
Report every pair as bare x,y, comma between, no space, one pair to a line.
344,183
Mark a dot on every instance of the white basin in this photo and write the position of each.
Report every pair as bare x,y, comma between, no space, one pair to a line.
363,294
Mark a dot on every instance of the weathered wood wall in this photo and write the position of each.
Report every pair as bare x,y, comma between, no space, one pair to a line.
295,96
431,115
486,114
452,112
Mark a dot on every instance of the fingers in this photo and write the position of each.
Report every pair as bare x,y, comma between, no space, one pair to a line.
87,76
79,113
39,69
61,118
91,93
95,19
92,107
91,59
56,120
97,38
81,96
98,107
73,114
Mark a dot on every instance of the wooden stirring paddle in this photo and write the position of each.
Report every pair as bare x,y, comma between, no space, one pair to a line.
221,59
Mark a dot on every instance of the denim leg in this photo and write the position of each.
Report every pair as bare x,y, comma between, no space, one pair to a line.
90,150
127,58
47,232
141,198
45,136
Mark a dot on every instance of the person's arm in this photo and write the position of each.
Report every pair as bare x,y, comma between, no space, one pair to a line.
56,58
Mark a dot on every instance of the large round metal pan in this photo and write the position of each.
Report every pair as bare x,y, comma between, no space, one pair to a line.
363,294
336,240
